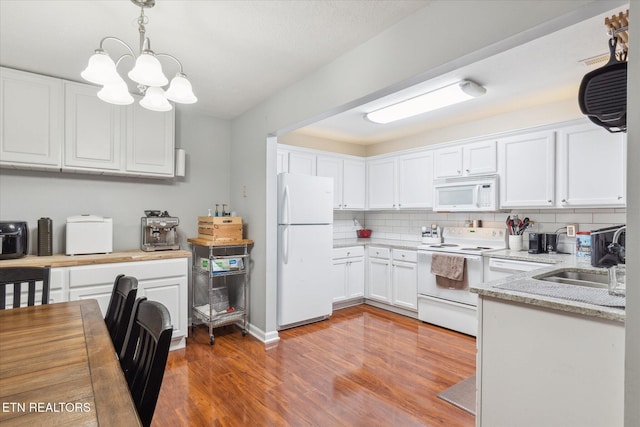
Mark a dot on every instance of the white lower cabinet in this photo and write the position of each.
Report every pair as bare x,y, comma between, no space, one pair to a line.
392,278
404,280
348,274
544,367
379,274
164,281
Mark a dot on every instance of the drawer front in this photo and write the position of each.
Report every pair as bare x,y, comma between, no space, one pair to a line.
378,252
141,270
348,252
405,255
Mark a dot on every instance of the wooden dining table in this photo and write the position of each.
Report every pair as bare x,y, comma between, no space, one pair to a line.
58,367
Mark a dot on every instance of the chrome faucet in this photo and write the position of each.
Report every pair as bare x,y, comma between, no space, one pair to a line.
616,248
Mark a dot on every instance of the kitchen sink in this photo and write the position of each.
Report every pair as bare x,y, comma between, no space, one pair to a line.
591,279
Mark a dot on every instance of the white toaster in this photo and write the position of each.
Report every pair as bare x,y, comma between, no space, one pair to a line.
89,234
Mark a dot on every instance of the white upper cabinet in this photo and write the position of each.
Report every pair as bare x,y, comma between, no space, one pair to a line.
381,183
591,167
94,130
114,139
31,120
353,184
415,180
527,170
332,167
448,162
150,141
302,163
479,158
476,158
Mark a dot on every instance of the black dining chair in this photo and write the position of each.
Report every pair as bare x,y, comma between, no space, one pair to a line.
24,278
123,296
145,353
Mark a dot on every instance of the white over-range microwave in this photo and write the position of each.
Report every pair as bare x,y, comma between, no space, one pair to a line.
466,194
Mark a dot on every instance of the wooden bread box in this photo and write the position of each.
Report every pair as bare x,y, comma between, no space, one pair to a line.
220,228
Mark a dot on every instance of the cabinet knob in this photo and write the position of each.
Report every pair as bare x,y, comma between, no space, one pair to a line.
459,171
394,205
402,255
619,197
467,170
564,200
549,201
345,205
348,253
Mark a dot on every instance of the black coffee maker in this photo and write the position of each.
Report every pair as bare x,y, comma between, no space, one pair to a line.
540,243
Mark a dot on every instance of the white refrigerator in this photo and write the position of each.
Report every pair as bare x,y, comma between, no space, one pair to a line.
305,242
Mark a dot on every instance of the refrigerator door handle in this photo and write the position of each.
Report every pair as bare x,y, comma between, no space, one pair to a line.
287,205
285,244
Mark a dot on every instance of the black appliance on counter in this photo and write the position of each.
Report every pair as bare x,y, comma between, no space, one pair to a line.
537,243
14,239
600,241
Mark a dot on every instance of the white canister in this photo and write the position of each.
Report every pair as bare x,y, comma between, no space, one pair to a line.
515,242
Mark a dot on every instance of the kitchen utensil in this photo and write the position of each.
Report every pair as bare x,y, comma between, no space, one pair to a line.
509,223
603,93
364,233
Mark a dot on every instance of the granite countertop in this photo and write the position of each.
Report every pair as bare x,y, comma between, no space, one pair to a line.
397,244
560,261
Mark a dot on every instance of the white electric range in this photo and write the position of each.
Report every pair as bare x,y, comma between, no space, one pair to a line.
455,307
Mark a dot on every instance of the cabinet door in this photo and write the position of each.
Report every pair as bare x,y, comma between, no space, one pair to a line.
94,130
339,279
479,158
355,278
150,141
302,163
415,180
591,167
353,184
381,186
379,280
527,170
448,162
31,120
331,167
405,284
172,293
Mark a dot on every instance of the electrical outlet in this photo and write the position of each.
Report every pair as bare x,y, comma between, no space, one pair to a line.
244,191
571,230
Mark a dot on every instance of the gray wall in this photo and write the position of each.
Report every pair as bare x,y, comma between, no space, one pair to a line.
29,195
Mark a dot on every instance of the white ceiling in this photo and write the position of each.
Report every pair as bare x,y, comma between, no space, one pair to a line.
543,71
238,53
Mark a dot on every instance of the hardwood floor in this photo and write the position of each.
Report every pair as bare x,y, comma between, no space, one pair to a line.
362,367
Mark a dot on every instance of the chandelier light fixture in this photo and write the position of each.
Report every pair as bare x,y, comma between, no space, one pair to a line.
438,98
147,73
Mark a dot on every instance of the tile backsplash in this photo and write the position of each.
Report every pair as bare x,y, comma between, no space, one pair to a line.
406,225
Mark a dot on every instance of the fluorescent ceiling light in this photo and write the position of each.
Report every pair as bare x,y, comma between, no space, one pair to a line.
442,97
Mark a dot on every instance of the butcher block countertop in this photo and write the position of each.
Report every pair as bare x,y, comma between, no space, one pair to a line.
206,242
61,260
